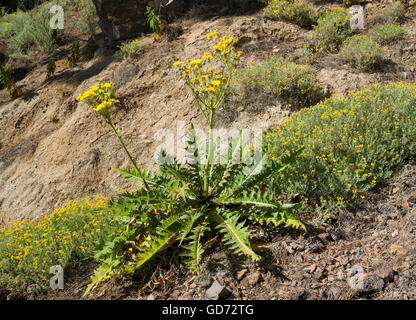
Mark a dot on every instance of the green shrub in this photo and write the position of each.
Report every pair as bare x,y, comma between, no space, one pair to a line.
350,144
281,79
332,29
305,55
29,248
299,12
387,33
132,49
393,13
361,52
29,30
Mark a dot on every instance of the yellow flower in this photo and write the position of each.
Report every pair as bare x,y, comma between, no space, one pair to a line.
216,83
177,63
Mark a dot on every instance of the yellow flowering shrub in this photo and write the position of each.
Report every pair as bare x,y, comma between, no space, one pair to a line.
29,248
332,29
388,32
299,12
350,144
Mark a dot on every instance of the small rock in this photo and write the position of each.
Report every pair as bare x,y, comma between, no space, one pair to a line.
356,269
254,278
324,236
318,274
385,273
395,234
396,249
364,283
331,278
150,297
216,291
241,274
313,268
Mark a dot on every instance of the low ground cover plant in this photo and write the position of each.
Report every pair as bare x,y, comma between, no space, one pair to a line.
305,55
183,203
350,144
299,12
332,29
282,79
362,53
386,33
132,49
29,248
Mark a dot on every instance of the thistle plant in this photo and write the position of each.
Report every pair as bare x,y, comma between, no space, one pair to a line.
184,204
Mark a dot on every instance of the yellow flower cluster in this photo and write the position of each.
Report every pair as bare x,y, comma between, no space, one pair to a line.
300,12
208,85
332,29
349,144
29,248
100,97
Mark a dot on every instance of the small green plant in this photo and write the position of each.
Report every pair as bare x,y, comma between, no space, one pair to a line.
299,12
182,203
156,23
362,53
3,11
387,33
53,118
50,68
281,79
351,144
73,56
305,55
332,29
132,49
65,92
7,81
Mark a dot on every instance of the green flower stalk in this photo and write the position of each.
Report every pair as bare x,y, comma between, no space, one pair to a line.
100,97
